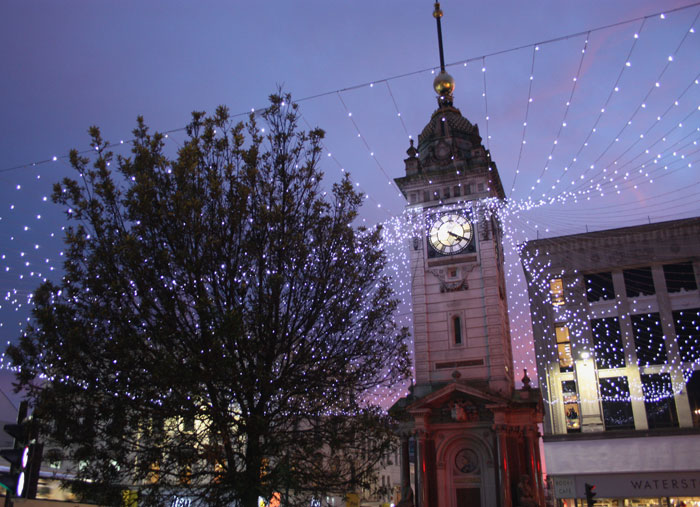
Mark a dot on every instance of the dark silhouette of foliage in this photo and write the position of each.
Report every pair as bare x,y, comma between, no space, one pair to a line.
220,321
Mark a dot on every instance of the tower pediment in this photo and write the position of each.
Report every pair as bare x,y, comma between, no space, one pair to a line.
453,391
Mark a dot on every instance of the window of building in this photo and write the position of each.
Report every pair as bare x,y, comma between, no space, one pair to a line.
638,282
480,187
599,286
446,192
658,401
54,458
188,423
680,277
457,329
566,360
466,188
617,403
426,196
687,324
455,191
556,291
648,339
692,387
607,338
413,197
572,411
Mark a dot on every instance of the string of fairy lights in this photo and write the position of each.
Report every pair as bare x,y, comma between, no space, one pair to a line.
667,364
563,121
641,106
641,158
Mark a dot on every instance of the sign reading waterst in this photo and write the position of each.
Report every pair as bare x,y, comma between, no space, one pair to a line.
629,485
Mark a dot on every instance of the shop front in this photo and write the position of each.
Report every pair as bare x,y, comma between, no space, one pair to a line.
658,489
628,469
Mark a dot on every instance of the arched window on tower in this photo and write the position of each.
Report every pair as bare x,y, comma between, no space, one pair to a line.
457,329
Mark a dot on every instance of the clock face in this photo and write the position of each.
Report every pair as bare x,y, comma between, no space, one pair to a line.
450,233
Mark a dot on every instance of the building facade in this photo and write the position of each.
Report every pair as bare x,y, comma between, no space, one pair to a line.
616,319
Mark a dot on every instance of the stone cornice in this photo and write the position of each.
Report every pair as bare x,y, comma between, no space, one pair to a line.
648,233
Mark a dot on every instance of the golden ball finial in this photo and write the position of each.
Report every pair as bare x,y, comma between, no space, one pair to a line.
437,13
444,84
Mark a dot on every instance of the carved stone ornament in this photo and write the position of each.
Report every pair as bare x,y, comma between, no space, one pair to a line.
463,411
484,228
452,284
467,461
442,150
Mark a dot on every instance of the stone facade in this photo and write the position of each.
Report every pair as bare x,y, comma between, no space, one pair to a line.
453,173
615,320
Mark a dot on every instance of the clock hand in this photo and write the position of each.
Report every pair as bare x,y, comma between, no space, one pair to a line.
457,235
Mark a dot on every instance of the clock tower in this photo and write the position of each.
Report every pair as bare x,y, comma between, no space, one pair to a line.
476,436
460,313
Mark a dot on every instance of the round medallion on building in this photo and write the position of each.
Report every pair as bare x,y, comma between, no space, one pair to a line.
467,461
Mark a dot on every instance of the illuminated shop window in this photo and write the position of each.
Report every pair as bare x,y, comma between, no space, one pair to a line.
680,277
658,401
54,457
687,324
638,282
566,360
572,411
693,389
556,291
609,351
185,475
648,339
617,403
599,287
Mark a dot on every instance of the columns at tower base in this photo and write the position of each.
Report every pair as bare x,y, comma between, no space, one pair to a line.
473,447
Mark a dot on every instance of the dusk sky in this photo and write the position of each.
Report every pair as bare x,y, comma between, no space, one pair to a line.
633,103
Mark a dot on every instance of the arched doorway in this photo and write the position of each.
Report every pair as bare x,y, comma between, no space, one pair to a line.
467,466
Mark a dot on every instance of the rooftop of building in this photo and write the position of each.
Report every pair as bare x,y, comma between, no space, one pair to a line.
620,232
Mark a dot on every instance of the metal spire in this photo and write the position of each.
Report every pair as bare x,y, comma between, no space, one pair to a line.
443,84
437,14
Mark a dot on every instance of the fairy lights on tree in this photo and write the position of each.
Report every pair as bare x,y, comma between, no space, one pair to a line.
220,323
